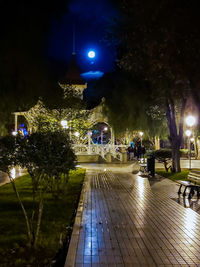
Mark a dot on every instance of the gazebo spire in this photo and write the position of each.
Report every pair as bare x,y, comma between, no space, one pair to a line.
72,77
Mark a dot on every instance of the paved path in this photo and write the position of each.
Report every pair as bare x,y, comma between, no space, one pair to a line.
15,172
125,224
3,178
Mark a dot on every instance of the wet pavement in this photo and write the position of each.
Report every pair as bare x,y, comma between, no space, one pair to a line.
123,221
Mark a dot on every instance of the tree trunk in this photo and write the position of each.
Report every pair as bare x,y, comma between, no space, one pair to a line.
176,167
23,210
40,211
157,143
175,136
195,148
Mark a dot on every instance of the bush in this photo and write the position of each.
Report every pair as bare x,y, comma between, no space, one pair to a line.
184,153
164,156
48,158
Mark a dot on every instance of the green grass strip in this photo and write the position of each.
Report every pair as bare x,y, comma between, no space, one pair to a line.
56,219
174,176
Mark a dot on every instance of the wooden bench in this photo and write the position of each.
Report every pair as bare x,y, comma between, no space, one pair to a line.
193,183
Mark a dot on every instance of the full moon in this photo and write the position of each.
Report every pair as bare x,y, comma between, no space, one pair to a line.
91,54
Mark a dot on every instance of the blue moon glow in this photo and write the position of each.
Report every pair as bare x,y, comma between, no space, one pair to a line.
91,54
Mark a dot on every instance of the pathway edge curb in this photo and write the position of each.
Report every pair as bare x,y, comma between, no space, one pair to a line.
73,245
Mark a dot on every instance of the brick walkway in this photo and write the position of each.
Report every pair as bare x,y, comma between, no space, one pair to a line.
124,224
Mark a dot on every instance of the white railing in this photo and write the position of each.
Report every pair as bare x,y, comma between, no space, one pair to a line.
100,149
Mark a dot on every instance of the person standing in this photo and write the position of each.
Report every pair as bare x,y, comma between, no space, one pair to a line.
139,151
143,151
131,152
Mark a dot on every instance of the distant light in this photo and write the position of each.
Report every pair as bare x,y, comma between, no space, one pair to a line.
105,129
14,133
91,54
13,173
141,133
190,121
77,134
64,124
188,133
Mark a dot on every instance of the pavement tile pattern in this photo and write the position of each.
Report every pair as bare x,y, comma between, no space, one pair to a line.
124,223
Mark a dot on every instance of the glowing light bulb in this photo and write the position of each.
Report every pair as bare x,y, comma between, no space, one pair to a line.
188,133
190,121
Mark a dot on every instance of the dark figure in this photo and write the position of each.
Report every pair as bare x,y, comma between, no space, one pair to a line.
143,151
135,151
131,152
139,152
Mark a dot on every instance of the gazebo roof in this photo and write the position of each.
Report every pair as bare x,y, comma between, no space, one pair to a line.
73,74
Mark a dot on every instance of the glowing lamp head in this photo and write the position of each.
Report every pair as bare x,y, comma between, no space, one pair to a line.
141,134
188,133
105,129
190,121
91,54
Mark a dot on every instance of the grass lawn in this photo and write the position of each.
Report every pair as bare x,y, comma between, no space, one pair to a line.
173,176
56,220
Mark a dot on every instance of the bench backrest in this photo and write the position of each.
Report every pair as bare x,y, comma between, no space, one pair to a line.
194,176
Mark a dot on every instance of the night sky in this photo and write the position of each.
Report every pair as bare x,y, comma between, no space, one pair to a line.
36,46
90,19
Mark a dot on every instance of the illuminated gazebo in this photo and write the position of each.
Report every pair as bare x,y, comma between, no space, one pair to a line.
86,150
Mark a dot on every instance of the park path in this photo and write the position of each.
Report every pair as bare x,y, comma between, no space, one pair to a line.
15,172
120,222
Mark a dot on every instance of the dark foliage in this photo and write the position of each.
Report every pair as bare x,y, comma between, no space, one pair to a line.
164,156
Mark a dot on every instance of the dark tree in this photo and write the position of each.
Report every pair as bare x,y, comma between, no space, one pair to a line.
159,40
25,73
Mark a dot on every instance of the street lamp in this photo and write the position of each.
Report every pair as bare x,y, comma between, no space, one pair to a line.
190,121
188,133
141,134
105,129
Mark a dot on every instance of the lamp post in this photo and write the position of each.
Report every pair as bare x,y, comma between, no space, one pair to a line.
190,121
89,134
141,134
104,130
188,134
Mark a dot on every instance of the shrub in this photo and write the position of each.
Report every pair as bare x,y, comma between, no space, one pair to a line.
48,158
164,156
184,153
